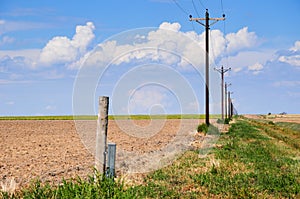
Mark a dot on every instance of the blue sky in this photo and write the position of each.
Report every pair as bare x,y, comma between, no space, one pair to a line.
45,48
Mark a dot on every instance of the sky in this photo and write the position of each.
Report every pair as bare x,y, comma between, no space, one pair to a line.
58,56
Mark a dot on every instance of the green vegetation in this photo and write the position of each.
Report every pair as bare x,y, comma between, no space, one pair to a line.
289,126
94,187
286,132
63,117
225,121
203,128
111,117
252,165
249,162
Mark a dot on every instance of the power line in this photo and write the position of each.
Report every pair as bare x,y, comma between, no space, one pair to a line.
195,8
224,32
202,4
222,6
180,7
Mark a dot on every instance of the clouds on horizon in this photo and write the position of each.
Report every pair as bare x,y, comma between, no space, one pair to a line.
61,50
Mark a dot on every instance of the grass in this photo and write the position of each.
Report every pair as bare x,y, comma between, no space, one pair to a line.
111,117
248,163
94,187
286,132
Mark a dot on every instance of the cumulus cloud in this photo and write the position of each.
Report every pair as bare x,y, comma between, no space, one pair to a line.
256,68
293,60
243,61
292,56
296,46
170,26
168,45
242,39
62,50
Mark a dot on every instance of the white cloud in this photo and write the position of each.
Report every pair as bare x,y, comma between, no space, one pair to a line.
168,45
244,59
296,46
170,26
237,69
241,39
62,50
292,57
293,60
256,68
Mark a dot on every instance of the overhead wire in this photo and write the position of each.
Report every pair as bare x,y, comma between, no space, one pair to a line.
212,47
202,4
224,32
185,12
195,8
180,7
222,6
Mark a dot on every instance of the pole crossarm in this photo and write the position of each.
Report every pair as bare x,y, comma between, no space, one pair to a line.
222,70
215,20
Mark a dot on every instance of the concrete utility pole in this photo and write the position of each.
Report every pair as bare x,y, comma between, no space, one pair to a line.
207,27
222,71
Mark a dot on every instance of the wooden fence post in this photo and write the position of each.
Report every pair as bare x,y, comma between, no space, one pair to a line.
101,136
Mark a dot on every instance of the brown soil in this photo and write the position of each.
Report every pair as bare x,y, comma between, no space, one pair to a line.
49,150
52,150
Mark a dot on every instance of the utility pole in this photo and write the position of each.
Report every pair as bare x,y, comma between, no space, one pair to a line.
229,104
222,71
226,86
207,27
231,108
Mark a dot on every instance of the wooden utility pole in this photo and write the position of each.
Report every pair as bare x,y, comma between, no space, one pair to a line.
207,27
222,71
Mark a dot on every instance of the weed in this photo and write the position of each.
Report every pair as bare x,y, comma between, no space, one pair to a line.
203,128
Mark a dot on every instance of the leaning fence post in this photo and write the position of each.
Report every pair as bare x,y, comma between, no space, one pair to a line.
101,135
